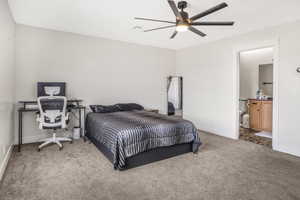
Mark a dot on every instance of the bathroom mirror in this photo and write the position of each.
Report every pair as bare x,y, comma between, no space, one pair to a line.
266,79
174,95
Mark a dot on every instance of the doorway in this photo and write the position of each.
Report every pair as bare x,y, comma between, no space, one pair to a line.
175,96
256,78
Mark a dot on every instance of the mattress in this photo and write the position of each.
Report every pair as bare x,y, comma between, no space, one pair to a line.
126,134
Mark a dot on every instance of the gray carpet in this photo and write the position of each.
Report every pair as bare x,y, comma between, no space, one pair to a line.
223,169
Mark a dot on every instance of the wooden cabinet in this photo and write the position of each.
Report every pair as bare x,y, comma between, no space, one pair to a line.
260,115
266,115
254,110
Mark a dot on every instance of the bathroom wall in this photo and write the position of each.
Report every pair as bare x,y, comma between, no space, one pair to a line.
249,70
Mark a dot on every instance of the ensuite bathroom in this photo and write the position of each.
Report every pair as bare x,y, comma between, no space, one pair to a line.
256,95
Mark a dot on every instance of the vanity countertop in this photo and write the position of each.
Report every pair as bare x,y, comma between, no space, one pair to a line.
260,99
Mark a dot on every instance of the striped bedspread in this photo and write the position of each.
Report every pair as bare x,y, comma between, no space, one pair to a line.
128,133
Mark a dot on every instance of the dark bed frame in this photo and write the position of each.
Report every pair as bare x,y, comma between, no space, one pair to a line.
146,157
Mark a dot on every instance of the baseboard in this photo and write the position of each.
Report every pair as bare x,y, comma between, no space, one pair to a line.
287,151
36,138
5,161
30,139
221,135
33,139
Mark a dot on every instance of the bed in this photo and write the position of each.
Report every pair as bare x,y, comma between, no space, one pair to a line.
134,138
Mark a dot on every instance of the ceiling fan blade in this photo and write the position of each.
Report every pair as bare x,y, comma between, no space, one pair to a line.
212,23
209,11
154,20
197,31
175,10
164,27
174,34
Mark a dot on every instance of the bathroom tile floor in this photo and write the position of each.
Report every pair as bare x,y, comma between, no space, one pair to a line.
249,135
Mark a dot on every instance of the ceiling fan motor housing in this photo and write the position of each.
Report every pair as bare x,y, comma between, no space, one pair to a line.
182,5
185,16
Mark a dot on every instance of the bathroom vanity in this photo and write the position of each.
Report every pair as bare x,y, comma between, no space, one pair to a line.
260,112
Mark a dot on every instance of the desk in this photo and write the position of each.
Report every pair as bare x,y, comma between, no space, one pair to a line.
72,105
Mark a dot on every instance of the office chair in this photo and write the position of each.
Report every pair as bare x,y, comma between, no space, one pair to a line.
52,115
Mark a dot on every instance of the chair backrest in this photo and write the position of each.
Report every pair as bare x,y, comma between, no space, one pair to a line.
52,111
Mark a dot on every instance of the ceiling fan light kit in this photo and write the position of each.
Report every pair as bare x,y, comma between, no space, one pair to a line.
182,27
184,23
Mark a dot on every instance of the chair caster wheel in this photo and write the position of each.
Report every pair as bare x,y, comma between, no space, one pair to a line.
60,148
38,149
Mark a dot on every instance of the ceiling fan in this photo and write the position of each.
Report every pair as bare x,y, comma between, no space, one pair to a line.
184,23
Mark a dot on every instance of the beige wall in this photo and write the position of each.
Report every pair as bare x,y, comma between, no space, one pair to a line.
105,72
99,71
7,81
210,83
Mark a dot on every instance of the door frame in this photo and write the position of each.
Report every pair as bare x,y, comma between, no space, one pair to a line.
275,118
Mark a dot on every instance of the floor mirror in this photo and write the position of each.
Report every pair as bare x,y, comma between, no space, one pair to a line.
174,95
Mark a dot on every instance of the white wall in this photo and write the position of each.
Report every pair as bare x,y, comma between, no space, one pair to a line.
7,80
210,87
249,70
99,71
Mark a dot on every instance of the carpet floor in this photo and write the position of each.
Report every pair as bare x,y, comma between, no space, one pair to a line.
223,169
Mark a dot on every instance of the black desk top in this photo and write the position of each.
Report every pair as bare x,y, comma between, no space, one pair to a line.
36,109
35,102
24,109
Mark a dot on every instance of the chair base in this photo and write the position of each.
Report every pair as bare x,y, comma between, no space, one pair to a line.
55,140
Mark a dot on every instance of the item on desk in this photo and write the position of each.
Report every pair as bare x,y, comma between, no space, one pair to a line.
76,133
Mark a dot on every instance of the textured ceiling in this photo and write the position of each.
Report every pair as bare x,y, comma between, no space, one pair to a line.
114,19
